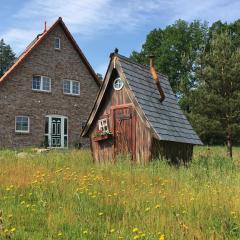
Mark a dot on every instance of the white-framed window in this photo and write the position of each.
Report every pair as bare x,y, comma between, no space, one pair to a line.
22,124
41,83
57,43
103,125
118,84
71,87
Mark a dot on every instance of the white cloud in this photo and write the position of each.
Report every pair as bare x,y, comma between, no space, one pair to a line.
83,17
209,10
19,38
90,18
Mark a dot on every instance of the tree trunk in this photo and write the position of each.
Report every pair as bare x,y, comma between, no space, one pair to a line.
229,143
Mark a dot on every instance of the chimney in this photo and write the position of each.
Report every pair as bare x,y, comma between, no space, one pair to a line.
45,26
155,77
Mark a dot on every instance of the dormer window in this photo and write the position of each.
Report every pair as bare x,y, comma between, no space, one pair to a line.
57,43
41,83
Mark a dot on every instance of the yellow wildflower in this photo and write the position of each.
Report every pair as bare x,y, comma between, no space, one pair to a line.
162,237
147,209
135,230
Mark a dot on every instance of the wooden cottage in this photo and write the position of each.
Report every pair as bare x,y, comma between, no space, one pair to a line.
136,113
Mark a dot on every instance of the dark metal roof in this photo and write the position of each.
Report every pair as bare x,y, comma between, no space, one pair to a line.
166,118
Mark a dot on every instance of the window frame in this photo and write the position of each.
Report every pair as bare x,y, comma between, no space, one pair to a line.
22,131
41,84
118,88
59,43
101,126
71,87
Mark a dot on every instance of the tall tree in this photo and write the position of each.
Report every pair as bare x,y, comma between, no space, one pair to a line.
176,48
7,57
216,102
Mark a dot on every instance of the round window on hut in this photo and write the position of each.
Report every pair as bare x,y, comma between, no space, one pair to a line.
118,84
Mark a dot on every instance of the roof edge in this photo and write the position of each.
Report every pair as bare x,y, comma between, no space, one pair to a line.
23,56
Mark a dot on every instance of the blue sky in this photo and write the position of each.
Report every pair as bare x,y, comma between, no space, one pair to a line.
101,25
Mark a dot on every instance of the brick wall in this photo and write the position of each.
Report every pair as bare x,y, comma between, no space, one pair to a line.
17,97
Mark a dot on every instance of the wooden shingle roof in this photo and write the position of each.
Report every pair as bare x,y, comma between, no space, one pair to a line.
166,118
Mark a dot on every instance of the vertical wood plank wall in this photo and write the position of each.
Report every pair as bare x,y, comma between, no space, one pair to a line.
141,134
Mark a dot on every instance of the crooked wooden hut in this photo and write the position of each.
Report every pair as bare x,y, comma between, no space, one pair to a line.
136,113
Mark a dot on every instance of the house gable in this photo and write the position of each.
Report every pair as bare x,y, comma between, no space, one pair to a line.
37,41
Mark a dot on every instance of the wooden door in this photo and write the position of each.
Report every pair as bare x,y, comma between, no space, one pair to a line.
124,131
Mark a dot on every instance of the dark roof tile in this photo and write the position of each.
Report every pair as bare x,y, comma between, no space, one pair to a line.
166,118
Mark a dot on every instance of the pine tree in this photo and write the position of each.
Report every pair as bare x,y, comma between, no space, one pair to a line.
7,57
216,102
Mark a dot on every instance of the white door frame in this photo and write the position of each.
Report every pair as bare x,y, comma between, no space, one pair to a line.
49,134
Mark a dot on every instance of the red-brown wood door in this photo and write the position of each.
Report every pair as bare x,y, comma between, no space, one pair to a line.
124,131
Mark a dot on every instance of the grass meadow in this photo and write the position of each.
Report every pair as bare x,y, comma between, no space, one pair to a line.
63,195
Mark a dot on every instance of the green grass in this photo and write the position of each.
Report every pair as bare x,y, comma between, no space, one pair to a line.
63,195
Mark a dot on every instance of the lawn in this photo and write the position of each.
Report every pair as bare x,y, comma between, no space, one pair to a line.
63,195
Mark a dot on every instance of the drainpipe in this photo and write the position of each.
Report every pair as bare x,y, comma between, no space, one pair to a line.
155,77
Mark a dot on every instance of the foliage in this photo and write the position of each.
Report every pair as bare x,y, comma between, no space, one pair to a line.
100,76
186,52
215,103
176,48
63,195
7,57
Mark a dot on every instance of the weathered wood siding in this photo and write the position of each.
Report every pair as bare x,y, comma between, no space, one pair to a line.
133,137
174,152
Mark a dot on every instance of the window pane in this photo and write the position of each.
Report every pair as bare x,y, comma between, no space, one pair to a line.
67,86
22,124
65,126
46,84
46,143
103,125
75,87
65,141
57,43
36,82
46,125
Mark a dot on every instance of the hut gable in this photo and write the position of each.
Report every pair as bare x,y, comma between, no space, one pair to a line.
139,122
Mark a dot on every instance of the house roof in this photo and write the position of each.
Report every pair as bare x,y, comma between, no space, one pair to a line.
39,39
165,118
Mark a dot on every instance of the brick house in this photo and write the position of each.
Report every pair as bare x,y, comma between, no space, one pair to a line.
47,95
